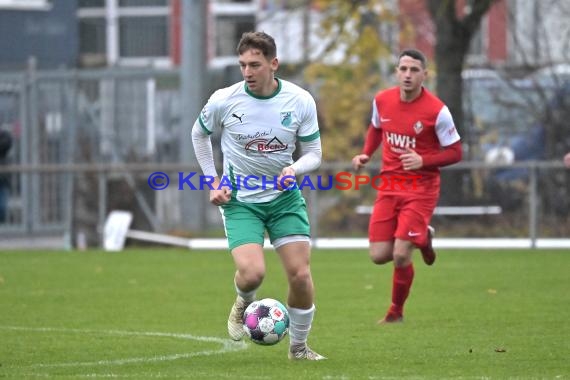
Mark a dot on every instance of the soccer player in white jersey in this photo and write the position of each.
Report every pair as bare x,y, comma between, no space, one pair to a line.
261,118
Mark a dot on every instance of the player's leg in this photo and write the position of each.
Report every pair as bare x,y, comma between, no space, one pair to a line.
412,230
295,256
381,229
427,251
420,232
381,252
289,231
402,279
385,248
245,233
250,270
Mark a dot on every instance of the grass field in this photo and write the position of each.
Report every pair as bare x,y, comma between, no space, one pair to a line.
161,314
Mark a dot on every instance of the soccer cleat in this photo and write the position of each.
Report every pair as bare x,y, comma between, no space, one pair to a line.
235,320
303,352
428,254
391,317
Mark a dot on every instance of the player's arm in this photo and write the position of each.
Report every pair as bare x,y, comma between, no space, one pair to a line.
446,156
451,150
309,138
203,149
372,141
411,160
205,157
311,157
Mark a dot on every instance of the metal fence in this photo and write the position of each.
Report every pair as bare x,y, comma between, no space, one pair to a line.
70,117
484,206
85,143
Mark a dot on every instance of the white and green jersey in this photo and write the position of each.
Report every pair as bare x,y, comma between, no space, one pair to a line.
259,134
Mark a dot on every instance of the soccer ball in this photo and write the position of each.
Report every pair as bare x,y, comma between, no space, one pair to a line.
266,321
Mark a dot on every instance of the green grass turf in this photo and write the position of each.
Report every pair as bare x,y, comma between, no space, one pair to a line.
161,314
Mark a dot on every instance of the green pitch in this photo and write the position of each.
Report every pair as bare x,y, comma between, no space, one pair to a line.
161,314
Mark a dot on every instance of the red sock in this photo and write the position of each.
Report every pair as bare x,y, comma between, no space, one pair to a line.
401,284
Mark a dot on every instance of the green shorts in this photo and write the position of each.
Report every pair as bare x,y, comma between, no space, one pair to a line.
247,222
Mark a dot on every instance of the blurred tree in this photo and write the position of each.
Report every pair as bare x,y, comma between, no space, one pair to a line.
349,81
539,47
543,45
345,76
348,72
455,29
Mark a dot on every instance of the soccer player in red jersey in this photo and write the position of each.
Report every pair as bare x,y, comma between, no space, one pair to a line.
418,136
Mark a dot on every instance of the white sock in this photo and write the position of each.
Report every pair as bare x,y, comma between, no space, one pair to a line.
300,321
248,296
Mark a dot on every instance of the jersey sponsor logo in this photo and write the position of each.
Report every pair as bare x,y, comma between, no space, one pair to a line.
252,136
400,141
238,117
418,127
286,118
266,146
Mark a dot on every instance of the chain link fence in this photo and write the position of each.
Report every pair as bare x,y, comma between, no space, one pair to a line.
86,142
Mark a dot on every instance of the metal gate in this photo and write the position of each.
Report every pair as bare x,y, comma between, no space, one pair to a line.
69,117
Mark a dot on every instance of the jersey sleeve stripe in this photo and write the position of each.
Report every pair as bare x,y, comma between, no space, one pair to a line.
204,127
311,137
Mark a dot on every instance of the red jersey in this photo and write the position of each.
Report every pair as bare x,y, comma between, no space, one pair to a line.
424,125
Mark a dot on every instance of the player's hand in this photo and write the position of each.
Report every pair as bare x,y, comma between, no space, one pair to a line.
359,161
286,179
219,195
411,160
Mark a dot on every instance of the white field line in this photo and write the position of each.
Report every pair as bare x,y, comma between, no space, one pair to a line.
148,375
227,345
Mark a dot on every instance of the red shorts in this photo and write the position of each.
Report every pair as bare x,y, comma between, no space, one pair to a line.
402,216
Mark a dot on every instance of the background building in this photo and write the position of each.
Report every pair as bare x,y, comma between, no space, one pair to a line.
97,83
40,31
95,33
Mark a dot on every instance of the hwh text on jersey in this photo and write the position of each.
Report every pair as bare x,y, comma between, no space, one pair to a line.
400,141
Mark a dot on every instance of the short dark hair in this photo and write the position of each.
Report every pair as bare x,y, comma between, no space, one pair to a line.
415,54
258,40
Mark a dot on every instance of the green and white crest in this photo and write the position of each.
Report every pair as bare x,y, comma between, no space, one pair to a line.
286,118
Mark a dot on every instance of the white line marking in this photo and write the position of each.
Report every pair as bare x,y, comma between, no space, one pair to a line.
227,345
146,375
106,376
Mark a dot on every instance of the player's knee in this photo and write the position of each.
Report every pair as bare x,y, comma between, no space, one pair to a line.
301,278
380,260
253,276
403,253
401,259
380,256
